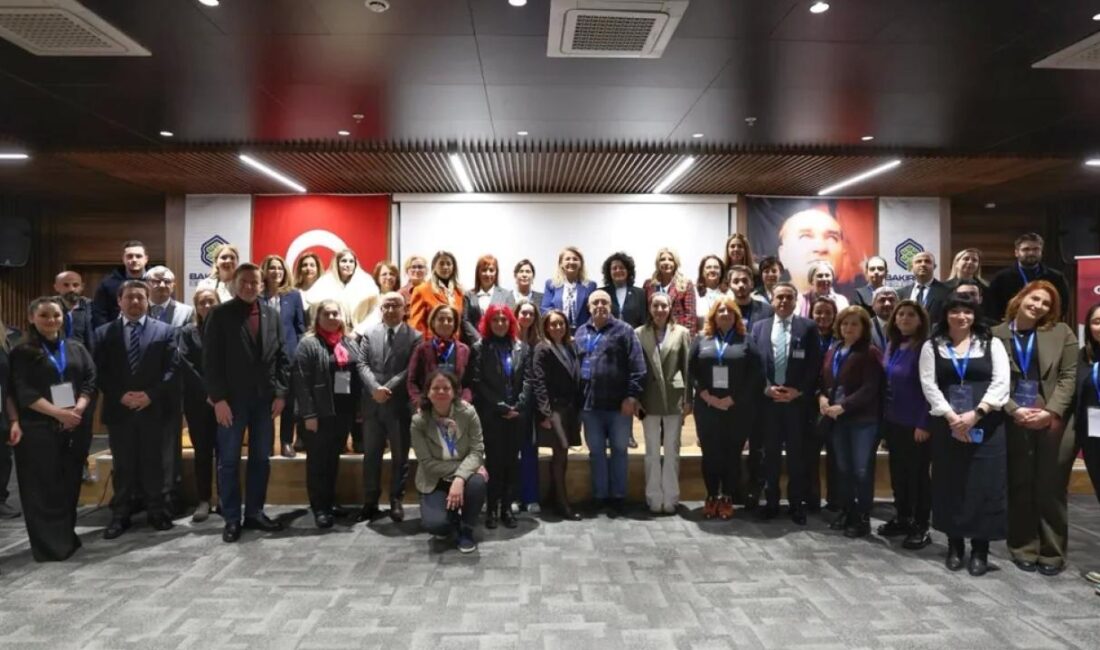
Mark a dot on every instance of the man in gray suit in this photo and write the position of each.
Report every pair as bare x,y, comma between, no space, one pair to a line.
384,353
162,307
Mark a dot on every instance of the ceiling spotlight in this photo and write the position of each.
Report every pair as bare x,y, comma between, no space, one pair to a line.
166,134
209,3
1096,17
696,135
13,156
460,171
867,138
819,7
521,132
860,177
517,3
259,166
378,6
674,175
1093,162
343,132
990,206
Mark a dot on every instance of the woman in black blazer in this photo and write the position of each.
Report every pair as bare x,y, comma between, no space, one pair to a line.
202,427
555,382
500,396
53,381
279,292
628,301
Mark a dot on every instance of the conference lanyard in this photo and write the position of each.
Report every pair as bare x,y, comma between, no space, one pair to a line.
1023,356
445,358
825,343
505,357
68,325
591,343
722,344
1096,380
960,368
840,355
448,439
60,363
1023,276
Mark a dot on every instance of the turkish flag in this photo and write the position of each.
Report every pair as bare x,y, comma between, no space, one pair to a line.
291,225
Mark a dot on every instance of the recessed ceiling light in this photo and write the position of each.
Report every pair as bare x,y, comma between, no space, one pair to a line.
867,138
696,135
990,206
819,7
1096,17
875,171
13,156
517,3
209,3
259,166
358,117
343,132
521,132
674,175
460,171
1093,162
166,134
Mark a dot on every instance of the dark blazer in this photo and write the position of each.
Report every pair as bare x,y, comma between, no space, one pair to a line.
555,378
32,374
633,309
804,356
292,316
534,297
235,365
760,311
189,347
1008,282
491,386
1056,356
78,324
311,377
390,368
472,311
864,296
105,302
553,297
1085,396
934,298
154,375
424,360
862,378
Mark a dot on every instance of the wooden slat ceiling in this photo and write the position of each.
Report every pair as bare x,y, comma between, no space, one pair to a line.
581,168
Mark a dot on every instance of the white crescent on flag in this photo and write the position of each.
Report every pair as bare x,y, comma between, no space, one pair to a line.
312,239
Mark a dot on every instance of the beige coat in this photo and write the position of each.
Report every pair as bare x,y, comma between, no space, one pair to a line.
1056,354
667,384
432,465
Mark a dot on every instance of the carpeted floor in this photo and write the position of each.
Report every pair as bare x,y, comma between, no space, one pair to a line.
675,582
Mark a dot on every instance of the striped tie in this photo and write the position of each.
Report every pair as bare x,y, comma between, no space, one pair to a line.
134,349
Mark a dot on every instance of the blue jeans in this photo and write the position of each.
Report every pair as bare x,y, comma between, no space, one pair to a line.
602,428
255,413
437,520
854,444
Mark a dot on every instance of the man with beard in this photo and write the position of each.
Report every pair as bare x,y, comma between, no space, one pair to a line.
1028,268
69,286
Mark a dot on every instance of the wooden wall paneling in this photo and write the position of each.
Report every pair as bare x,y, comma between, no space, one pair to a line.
993,231
174,254
18,286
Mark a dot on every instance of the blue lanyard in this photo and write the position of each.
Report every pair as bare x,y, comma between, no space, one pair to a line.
591,343
60,363
960,368
505,357
446,356
1023,276
68,324
839,357
1096,380
1023,357
722,344
825,343
448,439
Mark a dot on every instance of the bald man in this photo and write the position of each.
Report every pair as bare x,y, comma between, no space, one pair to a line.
69,286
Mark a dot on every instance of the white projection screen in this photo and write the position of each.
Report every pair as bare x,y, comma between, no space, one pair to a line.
537,227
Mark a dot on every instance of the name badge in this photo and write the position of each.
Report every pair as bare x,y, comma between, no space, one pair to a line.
720,377
586,368
62,395
977,436
798,353
1093,417
678,380
961,398
1026,393
342,382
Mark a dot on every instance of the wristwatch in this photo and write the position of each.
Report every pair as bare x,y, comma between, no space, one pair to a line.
981,411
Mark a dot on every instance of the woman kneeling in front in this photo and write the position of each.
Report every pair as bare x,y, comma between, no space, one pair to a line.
446,435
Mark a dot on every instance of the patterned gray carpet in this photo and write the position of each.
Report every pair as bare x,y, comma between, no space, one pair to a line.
675,582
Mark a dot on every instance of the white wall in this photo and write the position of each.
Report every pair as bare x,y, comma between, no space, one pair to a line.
513,227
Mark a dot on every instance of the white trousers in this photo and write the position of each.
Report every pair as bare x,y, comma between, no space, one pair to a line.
662,471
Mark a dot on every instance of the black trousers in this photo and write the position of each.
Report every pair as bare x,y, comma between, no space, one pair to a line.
287,422
323,448
785,430
721,438
755,462
502,438
202,426
48,464
816,440
1090,448
172,445
381,425
137,463
910,463
5,465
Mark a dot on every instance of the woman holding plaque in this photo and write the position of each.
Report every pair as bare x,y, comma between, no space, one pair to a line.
964,375
1041,449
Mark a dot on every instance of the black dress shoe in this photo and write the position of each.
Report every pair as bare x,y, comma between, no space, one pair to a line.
895,528
231,533
368,513
323,519
917,539
491,519
840,522
752,499
858,526
616,508
569,514
507,518
798,515
339,512
1025,565
116,528
161,523
397,511
263,523
768,512
978,564
954,560
1049,570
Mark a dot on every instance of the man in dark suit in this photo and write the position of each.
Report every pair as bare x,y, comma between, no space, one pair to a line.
1028,268
247,377
925,289
136,360
790,353
874,269
882,306
384,353
105,302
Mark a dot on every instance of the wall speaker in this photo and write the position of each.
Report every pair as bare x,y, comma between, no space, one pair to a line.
15,241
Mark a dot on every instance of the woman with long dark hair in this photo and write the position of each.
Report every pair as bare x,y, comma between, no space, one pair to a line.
53,381
555,383
965,376
202,426
823,312
441,288
530,332
279,292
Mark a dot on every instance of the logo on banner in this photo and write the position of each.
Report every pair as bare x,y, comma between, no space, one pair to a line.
906,251
208,247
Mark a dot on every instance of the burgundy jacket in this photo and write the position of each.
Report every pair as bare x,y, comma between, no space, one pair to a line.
424,360
862,379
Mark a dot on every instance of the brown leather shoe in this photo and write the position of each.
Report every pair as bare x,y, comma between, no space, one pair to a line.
710,508
725,508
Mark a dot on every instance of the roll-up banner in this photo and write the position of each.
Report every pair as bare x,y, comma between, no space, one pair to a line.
209,221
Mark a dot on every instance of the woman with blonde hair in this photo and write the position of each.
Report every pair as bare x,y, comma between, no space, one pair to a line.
667,278
569,289
279,292
347,283
226,259
967,265
739,252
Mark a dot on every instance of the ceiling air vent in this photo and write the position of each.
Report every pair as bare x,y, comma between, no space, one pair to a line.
632,29
62,28
1082,55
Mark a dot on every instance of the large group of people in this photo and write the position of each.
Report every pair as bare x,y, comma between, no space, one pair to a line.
978,390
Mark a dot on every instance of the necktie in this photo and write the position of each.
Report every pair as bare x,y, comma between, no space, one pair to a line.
920,295
133,351
389,342
782,342
254,321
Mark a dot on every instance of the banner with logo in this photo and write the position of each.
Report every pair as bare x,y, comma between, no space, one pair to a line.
907,227
324,224
801,231
1088,289
209,221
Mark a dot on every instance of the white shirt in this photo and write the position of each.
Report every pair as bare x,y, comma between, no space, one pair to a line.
702,305
620,295
483,299
997,394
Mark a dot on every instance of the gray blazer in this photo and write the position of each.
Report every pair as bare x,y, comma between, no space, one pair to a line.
176,313
379,367
431,465
311,377
472,311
